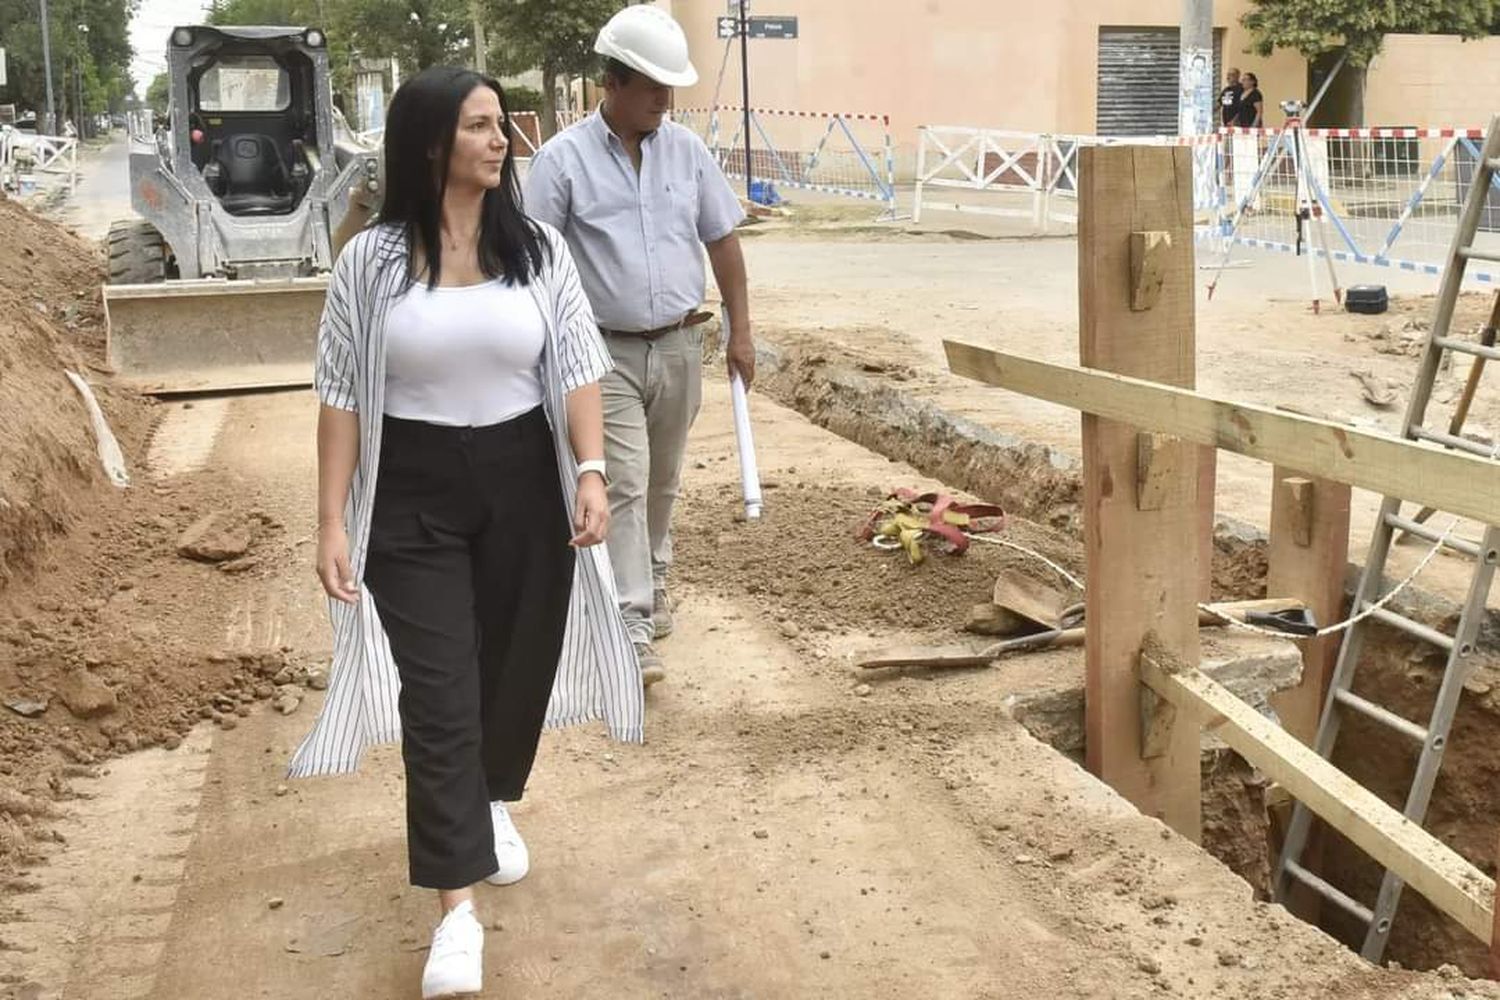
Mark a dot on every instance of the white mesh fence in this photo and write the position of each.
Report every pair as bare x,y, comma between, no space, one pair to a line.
849,155
1383,196
1389,197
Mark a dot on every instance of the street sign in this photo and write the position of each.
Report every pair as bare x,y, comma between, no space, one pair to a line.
773,27
760,27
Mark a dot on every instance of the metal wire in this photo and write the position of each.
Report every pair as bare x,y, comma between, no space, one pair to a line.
1243,626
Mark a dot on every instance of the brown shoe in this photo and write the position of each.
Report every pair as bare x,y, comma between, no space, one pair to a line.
661,613
652,671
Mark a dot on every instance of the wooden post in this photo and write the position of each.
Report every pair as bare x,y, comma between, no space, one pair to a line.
1309,553
1495,930
1143,565
1208,481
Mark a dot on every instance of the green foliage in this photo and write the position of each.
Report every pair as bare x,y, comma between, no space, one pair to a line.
419,33
555,36
102,52
524,99
1313,27
270,12
158,93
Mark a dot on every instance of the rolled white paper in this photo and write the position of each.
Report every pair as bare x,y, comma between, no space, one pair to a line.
745,440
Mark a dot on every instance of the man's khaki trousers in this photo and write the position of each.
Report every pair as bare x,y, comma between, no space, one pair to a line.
650,401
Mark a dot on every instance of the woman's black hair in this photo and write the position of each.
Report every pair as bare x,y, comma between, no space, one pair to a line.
419,129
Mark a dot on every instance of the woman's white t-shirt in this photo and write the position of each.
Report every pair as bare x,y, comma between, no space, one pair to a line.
466,356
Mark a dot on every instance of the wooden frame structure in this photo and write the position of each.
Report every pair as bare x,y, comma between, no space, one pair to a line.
1148,495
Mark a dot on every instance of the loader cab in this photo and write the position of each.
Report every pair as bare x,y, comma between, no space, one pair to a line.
247,114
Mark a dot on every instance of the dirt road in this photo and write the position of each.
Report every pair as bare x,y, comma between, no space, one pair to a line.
783,833
891,300
778,836
103,192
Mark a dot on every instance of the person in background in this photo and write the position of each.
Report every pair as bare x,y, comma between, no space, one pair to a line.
638,198
462,503
1229,97
1252,104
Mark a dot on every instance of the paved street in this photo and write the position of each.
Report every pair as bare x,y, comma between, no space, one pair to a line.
103,192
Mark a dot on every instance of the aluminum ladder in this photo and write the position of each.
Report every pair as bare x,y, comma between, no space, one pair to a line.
1432,738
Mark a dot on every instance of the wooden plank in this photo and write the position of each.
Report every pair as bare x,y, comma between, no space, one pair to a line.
1148,267
1297,497
1495,936
1138,578
1450,481
1317,510
1208,481
1427,865
1308,555
1154,455
928,656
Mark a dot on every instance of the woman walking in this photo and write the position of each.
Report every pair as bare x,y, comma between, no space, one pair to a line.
461,502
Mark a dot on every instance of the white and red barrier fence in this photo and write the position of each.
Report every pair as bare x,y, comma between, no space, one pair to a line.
1391,195
849,155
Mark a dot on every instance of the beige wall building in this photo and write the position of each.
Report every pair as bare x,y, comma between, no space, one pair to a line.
992,63
1069,66
1433,80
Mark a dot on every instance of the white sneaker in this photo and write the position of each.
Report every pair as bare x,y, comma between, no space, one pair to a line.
510,849
455,964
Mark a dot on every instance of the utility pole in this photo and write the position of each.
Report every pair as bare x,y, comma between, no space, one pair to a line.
481,48
51,122
1196,83
745,92
81,124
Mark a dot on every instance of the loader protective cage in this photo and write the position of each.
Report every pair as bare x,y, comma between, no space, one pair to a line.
219,284
244,180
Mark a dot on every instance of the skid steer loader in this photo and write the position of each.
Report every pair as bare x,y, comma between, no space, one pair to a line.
218,285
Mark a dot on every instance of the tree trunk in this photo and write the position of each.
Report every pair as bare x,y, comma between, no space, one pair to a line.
549,101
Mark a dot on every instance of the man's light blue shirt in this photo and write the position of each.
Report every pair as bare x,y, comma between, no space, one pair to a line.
637,238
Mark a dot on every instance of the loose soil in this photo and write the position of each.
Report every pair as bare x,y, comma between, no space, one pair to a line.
843,377
784,833
100,618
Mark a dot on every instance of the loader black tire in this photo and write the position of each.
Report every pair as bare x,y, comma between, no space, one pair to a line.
137,254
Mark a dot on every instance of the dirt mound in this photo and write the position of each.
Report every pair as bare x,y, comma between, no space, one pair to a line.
51,321
803,559
102,644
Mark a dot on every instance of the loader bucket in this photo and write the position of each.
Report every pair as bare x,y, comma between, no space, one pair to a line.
213,335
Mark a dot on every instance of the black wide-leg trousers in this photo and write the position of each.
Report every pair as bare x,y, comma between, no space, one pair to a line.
471,571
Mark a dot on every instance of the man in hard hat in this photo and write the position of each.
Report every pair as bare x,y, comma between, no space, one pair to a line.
638,197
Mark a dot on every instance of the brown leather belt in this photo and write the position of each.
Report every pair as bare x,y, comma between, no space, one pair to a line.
690,320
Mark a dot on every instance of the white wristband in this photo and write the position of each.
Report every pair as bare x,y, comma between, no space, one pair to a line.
593,465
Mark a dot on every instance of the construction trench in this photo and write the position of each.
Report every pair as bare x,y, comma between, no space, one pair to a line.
796,825
1041,486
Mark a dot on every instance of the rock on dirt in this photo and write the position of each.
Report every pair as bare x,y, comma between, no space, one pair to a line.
86,695
28,708
215,538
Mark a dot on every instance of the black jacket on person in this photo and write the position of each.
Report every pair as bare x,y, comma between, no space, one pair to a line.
1229,103
1245,116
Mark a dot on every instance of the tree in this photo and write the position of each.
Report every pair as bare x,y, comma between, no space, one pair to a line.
1317,27
419,33
102,53
158,93
555,36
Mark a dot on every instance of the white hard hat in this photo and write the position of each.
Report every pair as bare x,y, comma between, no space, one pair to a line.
646,39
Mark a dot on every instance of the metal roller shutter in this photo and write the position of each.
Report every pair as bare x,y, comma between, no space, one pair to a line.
1138,80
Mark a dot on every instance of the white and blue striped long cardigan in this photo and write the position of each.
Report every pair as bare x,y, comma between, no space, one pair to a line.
598,676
